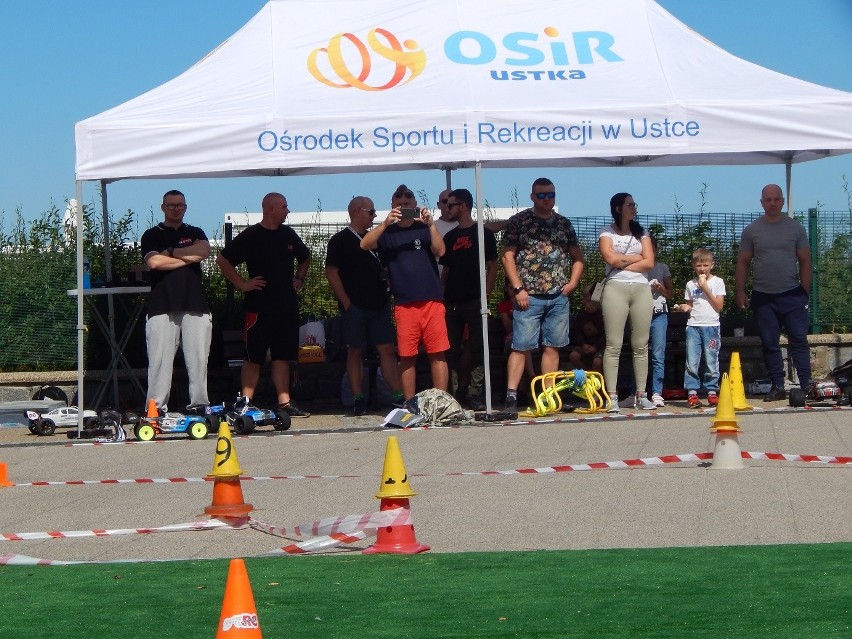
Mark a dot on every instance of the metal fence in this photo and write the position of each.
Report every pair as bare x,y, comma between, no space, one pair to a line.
830,235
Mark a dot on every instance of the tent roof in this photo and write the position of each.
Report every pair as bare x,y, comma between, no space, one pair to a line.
327,86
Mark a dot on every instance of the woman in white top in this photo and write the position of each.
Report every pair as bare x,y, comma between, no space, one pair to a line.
626,249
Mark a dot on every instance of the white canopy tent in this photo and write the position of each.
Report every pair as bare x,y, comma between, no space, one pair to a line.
330,86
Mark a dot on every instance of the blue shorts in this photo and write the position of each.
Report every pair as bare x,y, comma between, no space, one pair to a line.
368,327
545,321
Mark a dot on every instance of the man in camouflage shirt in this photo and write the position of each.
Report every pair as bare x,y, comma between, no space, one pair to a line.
544,264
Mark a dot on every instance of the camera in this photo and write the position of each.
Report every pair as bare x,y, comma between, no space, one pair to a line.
410,214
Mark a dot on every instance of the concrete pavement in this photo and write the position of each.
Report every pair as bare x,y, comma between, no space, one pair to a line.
458,507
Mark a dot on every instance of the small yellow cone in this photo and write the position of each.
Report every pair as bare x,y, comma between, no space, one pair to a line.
394,478
225,463
726,419
735,373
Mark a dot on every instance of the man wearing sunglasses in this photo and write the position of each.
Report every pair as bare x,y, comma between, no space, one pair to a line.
544,264
461,280
177,309
359,283
408,247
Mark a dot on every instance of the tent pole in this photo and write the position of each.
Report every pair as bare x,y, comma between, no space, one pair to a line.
449,177
483,294
108,276
81,328
789,175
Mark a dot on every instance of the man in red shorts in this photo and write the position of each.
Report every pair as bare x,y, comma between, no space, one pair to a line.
408,247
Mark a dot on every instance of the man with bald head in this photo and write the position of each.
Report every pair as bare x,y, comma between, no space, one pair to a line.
777,245
270,250
360,284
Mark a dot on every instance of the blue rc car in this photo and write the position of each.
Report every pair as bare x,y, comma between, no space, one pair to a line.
196,425
243,418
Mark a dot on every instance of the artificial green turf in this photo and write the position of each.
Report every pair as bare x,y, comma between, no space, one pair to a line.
745,591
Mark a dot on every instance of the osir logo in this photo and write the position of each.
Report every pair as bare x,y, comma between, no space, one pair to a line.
353,62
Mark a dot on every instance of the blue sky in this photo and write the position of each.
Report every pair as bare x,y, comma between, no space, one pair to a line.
65,61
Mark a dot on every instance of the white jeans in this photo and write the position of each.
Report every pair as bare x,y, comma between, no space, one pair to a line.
163,334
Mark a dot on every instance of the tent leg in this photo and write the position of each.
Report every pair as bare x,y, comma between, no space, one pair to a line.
81,328
483,294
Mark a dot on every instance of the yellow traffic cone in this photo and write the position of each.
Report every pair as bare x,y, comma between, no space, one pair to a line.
394,493
735,374
725,419
726,453
227,491
225,463
394,478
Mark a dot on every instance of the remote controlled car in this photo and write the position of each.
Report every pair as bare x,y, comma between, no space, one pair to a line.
196,426
836,388
64,416
244,418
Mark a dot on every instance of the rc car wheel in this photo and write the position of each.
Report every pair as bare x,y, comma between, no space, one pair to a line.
213,424
197,430
45,426
244,424
144,432
92,423
797,397
282,420
32,427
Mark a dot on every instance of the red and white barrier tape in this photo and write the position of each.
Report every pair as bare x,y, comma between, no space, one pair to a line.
325,533
626,463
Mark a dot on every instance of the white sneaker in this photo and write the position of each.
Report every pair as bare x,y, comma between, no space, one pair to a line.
613,407
644,403
658,400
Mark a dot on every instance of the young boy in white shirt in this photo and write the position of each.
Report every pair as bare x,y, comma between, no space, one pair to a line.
705,297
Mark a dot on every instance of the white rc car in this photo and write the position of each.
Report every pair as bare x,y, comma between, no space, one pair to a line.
64,416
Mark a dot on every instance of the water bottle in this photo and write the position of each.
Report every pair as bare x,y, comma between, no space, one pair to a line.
87,273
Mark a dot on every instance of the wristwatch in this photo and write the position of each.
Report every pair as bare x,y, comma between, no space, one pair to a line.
517,289
171,251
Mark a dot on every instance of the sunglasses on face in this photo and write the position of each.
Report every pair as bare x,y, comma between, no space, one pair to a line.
370,211
443,201
173,207
452,204
400,194
549,195
632,205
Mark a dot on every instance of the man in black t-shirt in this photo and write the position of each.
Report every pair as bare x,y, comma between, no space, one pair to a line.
269,249
177,309
359,283
462,296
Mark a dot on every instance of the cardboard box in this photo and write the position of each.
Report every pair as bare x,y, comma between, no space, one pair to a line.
311,354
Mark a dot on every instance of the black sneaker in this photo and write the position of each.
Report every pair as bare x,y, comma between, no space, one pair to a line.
776,393
511,405
359,407
293,410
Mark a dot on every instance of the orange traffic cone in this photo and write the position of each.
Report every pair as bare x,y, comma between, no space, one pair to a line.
227,491
394,492
4,477
239,614
735,373
152,408
726,453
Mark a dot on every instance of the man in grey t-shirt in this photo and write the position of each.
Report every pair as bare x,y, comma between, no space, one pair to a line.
781,284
